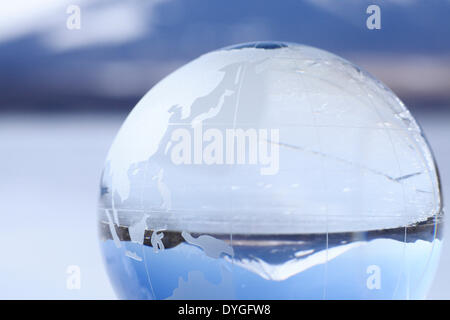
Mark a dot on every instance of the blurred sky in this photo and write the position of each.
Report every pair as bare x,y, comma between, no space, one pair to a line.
64,94
124,47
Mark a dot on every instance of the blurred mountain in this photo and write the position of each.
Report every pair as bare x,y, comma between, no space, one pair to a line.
125,47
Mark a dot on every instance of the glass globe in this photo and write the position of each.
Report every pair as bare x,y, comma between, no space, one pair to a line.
270,171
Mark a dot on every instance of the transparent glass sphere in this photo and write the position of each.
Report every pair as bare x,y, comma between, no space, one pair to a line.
270,171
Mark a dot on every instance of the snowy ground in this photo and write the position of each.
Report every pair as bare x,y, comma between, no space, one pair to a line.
49,170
